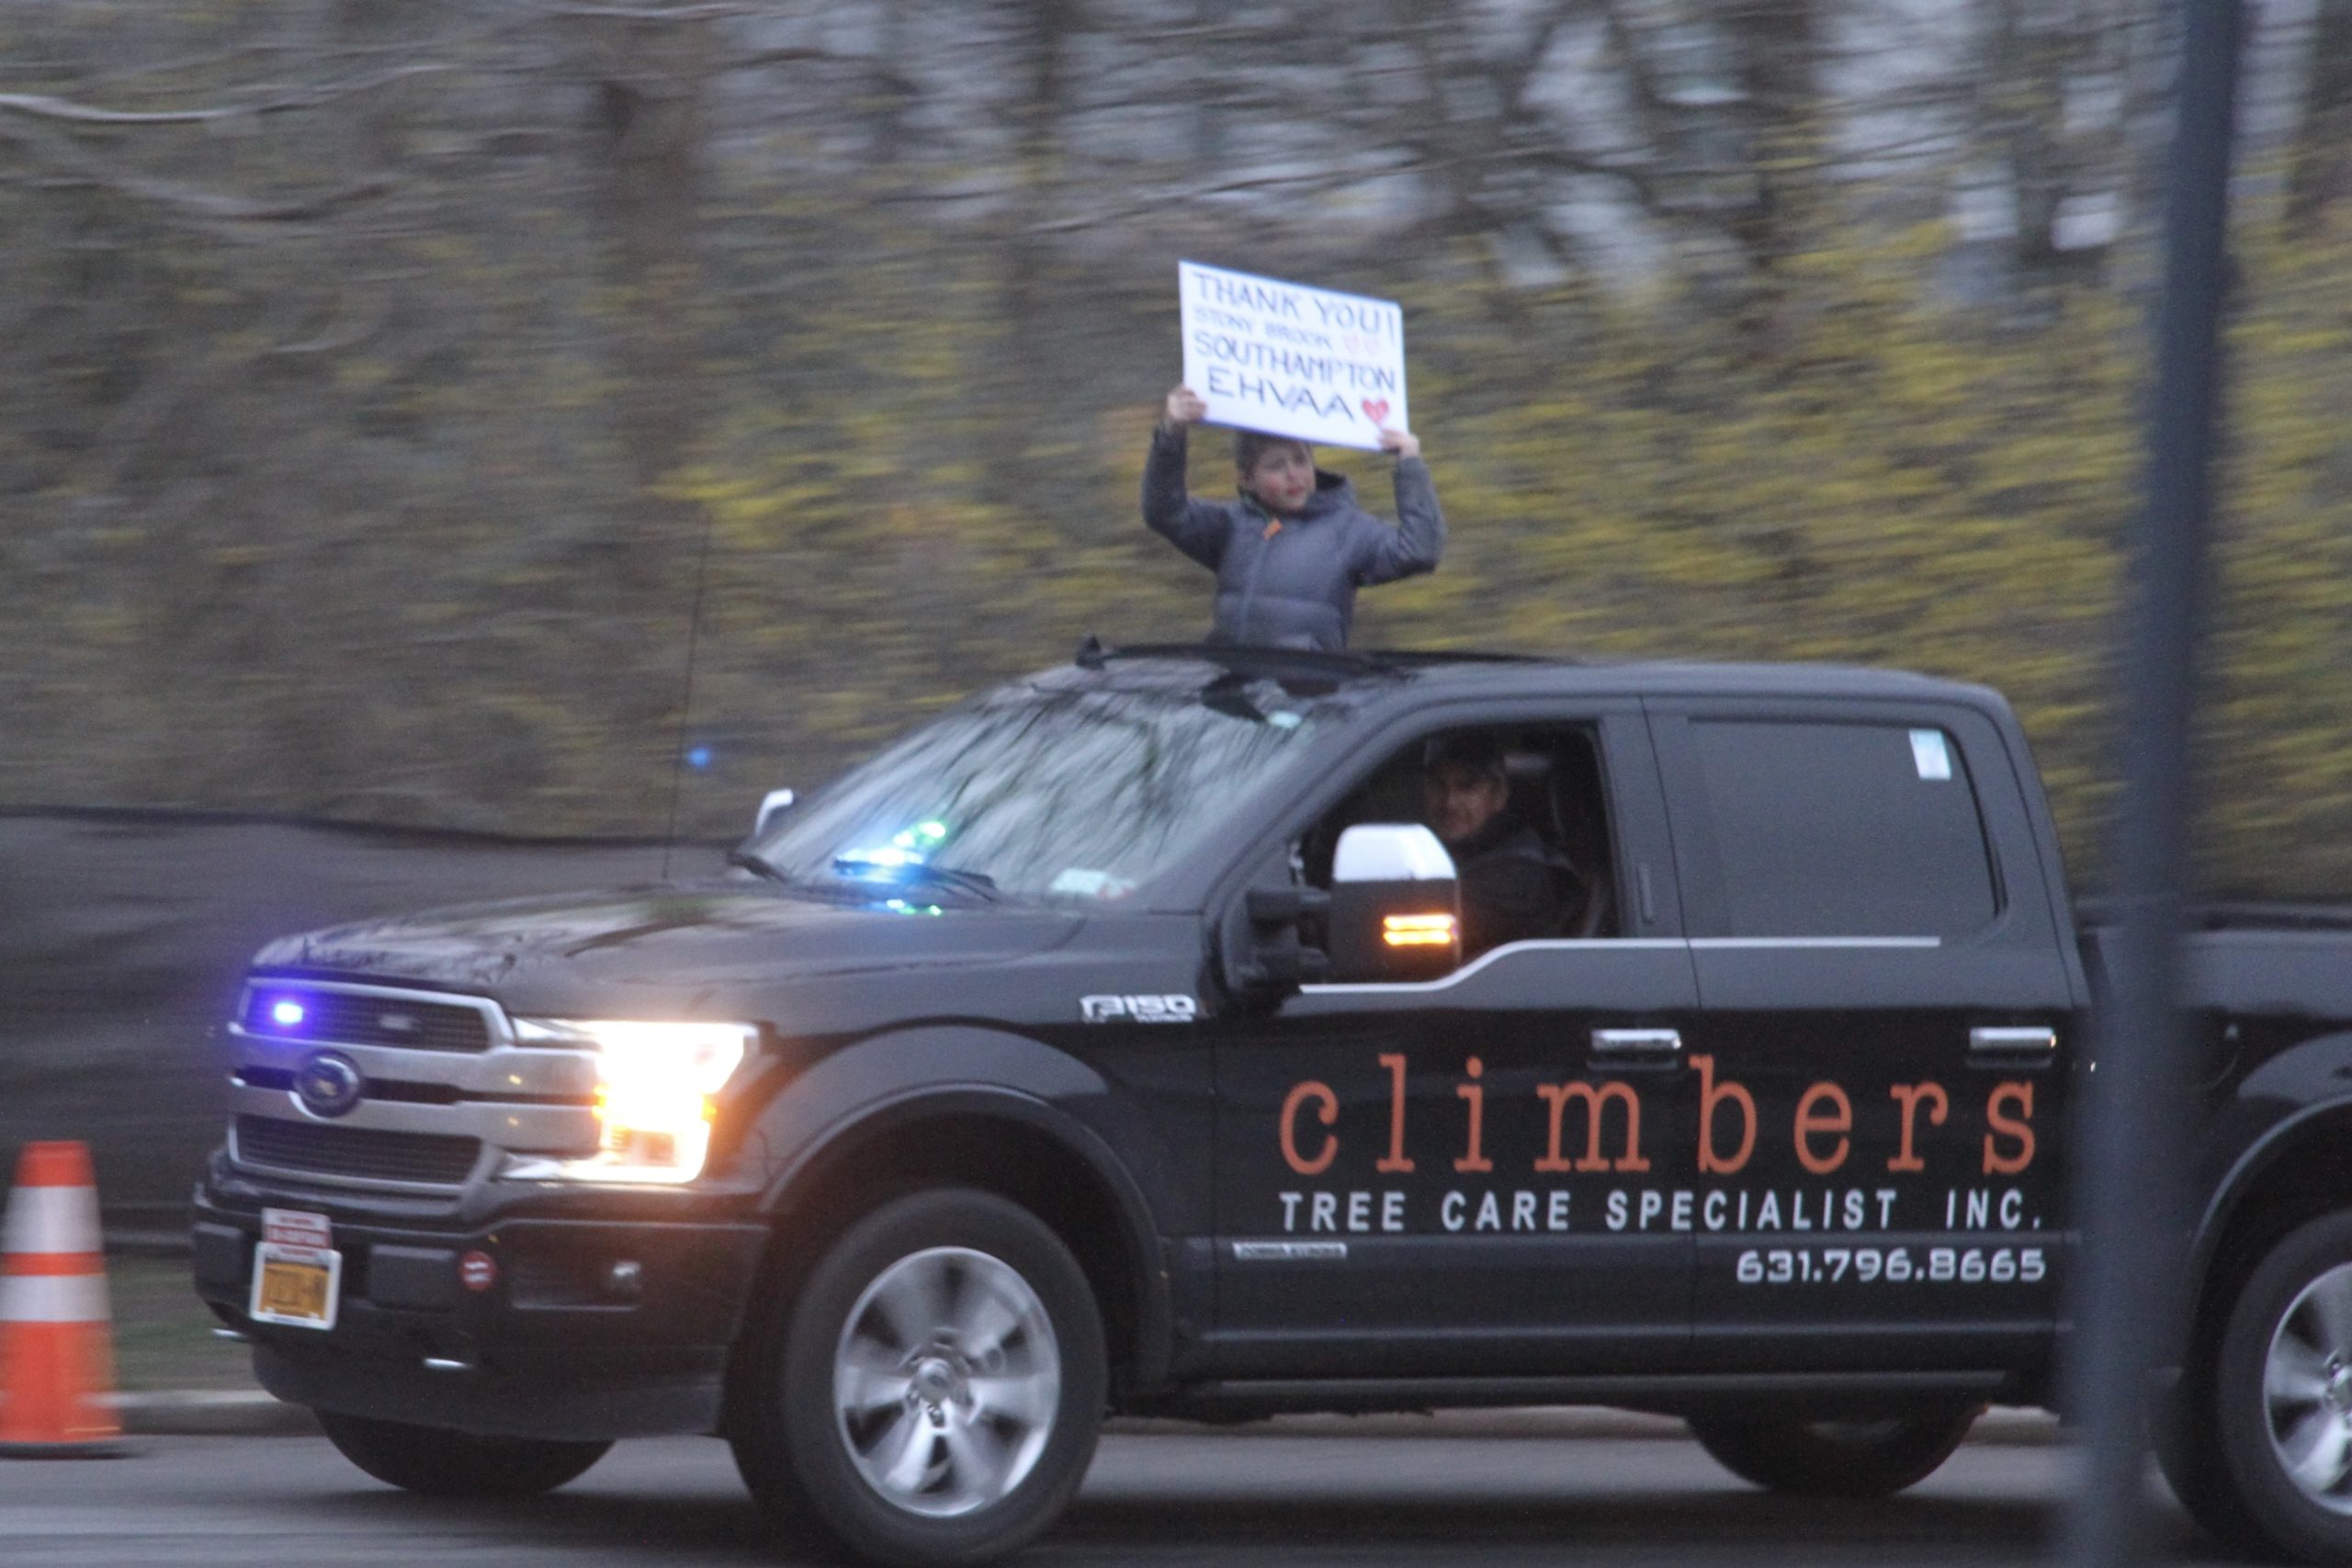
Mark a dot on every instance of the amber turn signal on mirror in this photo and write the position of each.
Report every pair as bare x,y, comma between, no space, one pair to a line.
1416,930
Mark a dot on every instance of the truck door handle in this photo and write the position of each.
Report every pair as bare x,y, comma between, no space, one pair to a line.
2029,1044
1636,1042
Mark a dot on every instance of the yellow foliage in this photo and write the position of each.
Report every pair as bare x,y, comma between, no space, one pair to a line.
913,490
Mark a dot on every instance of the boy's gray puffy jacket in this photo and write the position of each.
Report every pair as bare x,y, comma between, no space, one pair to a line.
1293,586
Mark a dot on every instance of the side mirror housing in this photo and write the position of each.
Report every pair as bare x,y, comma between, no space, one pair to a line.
1396,905
1275,960
773,804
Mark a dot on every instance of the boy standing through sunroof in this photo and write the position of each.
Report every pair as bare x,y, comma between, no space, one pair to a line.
1292,549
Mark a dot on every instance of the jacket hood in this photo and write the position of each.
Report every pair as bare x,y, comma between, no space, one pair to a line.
1332,492
624,950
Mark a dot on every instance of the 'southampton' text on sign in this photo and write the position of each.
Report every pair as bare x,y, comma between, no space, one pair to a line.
1265,354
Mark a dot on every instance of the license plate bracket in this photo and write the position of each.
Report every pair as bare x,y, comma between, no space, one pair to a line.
297,1272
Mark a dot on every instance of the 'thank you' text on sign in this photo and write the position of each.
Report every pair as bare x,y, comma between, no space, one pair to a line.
1265,354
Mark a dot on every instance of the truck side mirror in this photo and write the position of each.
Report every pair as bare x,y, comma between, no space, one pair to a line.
1396,905
1276,960
773,804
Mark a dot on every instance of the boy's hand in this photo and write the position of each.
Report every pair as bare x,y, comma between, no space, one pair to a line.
1184,407
1404,443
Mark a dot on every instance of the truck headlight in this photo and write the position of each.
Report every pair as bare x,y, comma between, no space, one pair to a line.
656,1085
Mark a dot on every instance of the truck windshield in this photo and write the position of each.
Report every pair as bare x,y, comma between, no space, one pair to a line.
1039,793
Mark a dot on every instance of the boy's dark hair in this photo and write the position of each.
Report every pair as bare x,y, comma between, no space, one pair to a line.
1249,446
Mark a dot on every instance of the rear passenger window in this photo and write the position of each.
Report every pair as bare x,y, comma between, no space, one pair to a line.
1844,830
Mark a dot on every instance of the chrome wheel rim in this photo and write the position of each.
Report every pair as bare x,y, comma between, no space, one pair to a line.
2307,1390
946,1381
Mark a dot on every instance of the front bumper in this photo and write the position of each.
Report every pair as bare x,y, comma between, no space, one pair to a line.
559,1345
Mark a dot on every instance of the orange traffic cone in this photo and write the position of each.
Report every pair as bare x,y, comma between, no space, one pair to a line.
56,1356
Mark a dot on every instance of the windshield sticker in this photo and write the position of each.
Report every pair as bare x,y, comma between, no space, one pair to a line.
1079,882
1930,752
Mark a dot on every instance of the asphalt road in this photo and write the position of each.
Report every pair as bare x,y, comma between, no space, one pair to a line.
1163,1499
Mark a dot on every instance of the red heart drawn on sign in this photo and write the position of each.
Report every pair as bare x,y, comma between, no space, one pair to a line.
1377,408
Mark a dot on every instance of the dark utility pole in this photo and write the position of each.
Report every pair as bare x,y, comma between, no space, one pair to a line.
2126,1192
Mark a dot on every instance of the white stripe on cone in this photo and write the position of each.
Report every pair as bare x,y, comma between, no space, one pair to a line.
53,1298
51,1219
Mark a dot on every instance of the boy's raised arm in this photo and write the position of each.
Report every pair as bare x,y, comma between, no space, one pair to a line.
1417,541
1199,528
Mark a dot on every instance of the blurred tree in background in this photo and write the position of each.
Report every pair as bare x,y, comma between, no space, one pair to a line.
373,372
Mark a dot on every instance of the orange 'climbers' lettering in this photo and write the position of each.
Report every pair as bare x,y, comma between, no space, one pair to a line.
1709,1095
1326,1110
1909,1095
1595,1096
1475,1093
1839,1121
1997,1162
1395,1158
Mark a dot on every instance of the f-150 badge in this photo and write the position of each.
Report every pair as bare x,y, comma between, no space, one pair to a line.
1138,1009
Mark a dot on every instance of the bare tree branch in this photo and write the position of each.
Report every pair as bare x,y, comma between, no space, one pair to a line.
1559,158
1518,73
645,13
345,330
195,62
39,107
79,166
800,54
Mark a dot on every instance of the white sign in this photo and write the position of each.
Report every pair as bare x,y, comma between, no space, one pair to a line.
1282,357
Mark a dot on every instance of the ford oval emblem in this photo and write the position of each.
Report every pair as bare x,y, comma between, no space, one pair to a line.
328,1083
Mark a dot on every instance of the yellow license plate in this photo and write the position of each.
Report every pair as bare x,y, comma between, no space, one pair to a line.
299,1291
294,1290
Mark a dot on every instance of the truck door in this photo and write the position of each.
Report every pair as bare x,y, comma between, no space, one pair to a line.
1419,1179
1878,1073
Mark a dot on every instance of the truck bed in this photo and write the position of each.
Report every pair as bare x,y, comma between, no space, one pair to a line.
2247,959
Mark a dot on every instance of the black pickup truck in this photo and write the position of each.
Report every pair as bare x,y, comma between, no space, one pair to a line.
1122,1040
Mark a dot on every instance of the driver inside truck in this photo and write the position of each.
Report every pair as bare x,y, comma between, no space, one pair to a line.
1512,882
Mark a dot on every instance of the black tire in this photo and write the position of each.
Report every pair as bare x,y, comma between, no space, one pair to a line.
1835,1459
928,1471
2189,1451
436,1462
2282,1375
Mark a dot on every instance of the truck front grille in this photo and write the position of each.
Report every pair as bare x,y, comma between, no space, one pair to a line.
355,1018
359,1153
443,1087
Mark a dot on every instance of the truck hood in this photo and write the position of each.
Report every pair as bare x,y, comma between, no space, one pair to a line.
676,947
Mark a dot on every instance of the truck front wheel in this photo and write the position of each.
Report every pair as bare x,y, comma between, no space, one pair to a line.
2283,1396
440,1464
1835,1459
933,1395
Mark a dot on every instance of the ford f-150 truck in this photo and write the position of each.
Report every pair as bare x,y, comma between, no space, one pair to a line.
1109,1044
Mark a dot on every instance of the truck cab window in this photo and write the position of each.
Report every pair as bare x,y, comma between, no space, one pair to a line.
1843,829
1521,810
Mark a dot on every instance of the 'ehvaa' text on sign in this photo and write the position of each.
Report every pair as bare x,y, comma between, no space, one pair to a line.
1266,355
